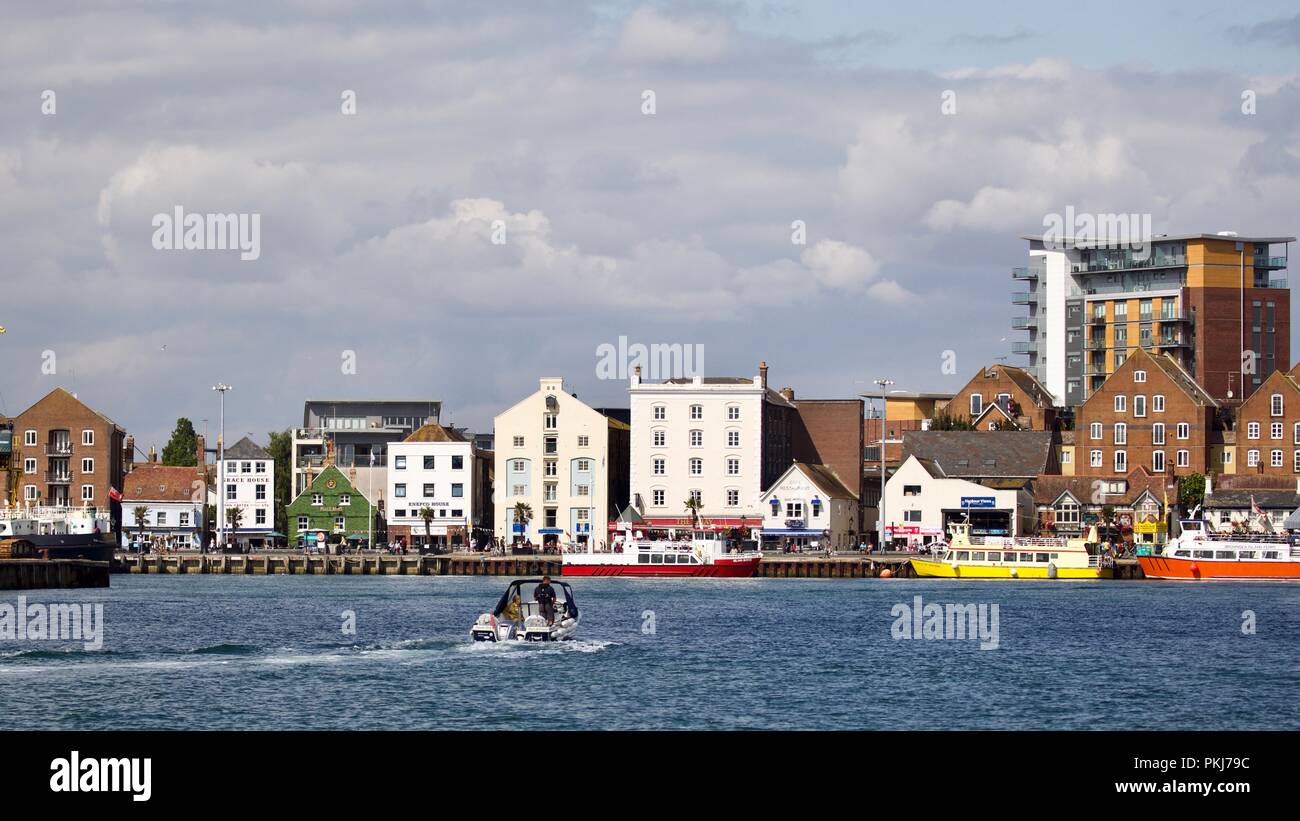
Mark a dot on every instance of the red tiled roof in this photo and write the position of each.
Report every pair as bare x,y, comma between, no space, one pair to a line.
162,483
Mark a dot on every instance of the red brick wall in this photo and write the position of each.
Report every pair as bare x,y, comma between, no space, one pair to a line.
1258,409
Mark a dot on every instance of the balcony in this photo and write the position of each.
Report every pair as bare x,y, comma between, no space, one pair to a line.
1174,316
58,449
1269,263
1024,273
1128,263
1024,347
1097,344
1172,341
58,477
1024,323
1024,298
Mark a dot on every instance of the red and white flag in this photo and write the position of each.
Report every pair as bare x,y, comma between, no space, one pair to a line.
1254,508
114,494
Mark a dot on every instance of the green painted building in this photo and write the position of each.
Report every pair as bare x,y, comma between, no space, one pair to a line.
331,505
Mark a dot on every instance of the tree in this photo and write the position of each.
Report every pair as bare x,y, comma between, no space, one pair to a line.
141,512
523,513
182,449
1191,490
426,513
942,421
234,518
281,449
693,506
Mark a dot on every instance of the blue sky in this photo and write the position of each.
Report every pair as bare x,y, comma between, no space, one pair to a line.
670,227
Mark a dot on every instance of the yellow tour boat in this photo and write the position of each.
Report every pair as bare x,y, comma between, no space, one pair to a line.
1020,558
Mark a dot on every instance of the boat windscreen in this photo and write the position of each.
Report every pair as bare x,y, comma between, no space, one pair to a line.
526,591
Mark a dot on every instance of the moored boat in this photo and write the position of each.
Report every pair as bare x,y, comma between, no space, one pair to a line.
705,553
1020,558
58,532
1197,555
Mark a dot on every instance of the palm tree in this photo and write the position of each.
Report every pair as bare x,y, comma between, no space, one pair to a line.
427,514
140,513
693,505
523,513
234,518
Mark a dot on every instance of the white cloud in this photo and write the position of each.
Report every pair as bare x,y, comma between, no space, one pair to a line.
651,36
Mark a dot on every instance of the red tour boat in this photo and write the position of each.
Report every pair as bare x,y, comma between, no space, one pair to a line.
705,553
1197,555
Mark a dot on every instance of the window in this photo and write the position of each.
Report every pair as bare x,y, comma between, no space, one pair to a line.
345,499
399,491
1158,403
428,491
29,493
550,421
584,490
550,492
1252,430
733,495
657,466
659,438
1066,457
697,467
1227,457
1139,406
230,493
518,466
428,463
1184,430
1121,433
1252,458
1184,458
339,523
1295,434
659,412
1158,433
1121,462
584,465
245,467
399,463
519,441
1276,431
261,467
733,438
458,463
516,490
911,490
1120,402
1067,512
1295,462
162,518
29,466
549,469
697,438
1275,404
1095,459
259,516
29,438
696,495
976,405
1158,461
733,467
733,413
1095,429
1275,459
1139,376
185,519
911,515
317,499
584,441
87,437
87,493
259,493
302,523
457,490
697,411
657,497
794,510
551,445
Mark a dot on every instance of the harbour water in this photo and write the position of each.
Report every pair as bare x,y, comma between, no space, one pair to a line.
239,652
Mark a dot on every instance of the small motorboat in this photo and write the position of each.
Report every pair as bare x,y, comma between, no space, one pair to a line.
518,615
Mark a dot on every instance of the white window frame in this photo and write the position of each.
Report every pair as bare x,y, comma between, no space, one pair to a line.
1097,430
1252,430
1120,434
1121,403
1276,405
1158,433
1139,376
1184,430
1121,461
88,437
1157,461
1158,403
1095,459
1184,458
1277,431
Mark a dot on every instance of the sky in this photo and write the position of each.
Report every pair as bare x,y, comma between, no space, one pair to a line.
501,201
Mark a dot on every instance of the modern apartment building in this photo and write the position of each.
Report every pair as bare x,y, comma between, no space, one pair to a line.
246,480
438,469
361,431
566,461
719,440
1218,304
69,454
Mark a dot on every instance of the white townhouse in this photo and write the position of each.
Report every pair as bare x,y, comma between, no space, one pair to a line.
171,500
566,461
246,480
719,440
439,469
809,504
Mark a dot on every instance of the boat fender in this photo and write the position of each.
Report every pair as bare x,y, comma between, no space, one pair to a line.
1051,570
953,564
1014,573
1195,569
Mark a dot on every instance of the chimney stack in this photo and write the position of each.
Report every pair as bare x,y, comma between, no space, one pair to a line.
153,455
788,393
762,372
201,449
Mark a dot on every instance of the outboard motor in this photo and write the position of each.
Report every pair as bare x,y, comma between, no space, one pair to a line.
485,628
536,629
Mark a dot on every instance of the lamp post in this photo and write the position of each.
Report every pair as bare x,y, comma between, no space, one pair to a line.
883,384
221,388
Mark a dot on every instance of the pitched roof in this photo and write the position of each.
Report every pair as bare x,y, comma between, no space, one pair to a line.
245,449
1273,499
1180,377
433,432
152,482
69,394
1048,488
826,480
1028,383
972,453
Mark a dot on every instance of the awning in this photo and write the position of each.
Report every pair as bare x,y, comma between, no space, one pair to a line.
780,532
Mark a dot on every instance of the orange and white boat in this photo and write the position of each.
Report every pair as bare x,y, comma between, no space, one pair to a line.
1197,555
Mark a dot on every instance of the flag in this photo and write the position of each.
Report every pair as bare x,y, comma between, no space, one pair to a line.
372,458
114,494
1254,508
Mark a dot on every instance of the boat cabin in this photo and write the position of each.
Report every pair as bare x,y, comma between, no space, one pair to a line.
523,590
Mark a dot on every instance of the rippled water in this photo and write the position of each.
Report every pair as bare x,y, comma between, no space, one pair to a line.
268,652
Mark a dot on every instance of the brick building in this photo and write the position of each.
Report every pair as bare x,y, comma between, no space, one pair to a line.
829,432
1267,429
1002,397
70,455
1149,413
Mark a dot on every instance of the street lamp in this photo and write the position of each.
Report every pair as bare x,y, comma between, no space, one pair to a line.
221,388
883,384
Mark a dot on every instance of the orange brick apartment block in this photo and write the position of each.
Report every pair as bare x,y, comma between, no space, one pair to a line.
1150,413
1004,397
69,454
1268,428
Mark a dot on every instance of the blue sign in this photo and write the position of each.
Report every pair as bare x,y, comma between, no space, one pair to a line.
550,530
518,527
977,501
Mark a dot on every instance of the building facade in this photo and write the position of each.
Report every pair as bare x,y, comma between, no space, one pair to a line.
566,461
246,480
360,431
1204,299
172,501
720,441
69,455
330,505
1150,413
808,506
1266,436
922,502
1002,396
438,469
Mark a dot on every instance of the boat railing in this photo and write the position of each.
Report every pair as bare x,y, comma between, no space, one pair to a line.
1253,538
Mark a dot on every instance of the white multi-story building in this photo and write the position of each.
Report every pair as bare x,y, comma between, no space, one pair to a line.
563,459
246,480
719,440
810,506
439,469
